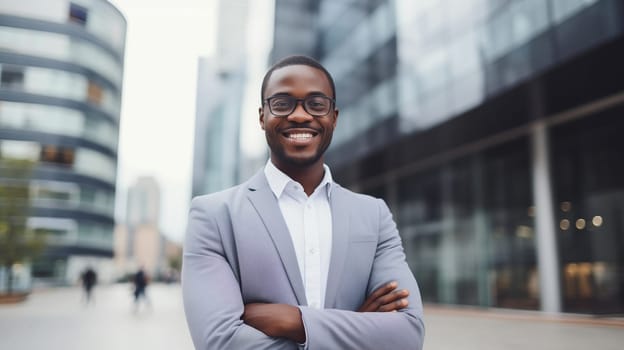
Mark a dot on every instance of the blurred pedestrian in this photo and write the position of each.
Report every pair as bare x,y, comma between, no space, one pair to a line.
89,279
141,281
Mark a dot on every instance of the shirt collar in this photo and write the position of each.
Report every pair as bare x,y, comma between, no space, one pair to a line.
278,180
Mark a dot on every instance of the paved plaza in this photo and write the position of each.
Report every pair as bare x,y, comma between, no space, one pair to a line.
56,319
466,329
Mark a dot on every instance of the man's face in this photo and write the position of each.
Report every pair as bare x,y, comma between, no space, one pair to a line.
298,139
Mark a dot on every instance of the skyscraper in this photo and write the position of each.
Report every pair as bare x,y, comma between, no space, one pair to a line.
220,90
61,69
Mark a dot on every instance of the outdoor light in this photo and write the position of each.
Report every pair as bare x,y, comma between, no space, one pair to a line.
597,220
566,206
564,224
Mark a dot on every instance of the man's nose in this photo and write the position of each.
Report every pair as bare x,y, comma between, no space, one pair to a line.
299,115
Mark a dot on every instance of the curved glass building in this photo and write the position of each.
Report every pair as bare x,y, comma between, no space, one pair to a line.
61,68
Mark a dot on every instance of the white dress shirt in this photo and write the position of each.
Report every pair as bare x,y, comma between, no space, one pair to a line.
310,225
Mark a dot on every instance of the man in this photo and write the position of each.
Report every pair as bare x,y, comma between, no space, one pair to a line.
140,281
89,279
289,258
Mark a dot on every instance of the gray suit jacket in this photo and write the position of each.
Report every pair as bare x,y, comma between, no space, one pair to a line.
238,250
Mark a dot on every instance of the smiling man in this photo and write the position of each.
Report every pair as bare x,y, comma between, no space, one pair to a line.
289,259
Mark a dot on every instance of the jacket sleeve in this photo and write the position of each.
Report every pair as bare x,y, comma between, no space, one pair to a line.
212,300
343,329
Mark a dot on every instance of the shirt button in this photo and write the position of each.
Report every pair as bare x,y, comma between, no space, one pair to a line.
312,251
314,304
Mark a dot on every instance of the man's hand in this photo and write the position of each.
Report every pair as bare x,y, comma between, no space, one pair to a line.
386,298
282,320
276,320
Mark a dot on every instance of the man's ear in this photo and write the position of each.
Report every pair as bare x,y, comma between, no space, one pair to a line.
261,115
335,116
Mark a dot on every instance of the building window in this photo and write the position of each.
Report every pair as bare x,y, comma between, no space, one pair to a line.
78,14
58,155
95,93
11,149
12,77
588,179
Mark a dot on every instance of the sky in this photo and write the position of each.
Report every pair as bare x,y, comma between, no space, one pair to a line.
163,42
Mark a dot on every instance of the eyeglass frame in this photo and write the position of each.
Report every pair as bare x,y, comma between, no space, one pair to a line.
302,101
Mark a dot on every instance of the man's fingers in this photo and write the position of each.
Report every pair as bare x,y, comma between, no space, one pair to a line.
385,299
372,302
389,301
383,290
392,301
390,297
394,306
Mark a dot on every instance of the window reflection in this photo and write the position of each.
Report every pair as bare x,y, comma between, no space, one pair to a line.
563,9
98,17
469,230
68,195
589,190
94,93
61,47
78,14
61,84
58,155
486,46
72,232
83,161
11,76
59,121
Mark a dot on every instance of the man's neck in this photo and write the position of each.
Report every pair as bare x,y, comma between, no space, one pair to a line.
308,176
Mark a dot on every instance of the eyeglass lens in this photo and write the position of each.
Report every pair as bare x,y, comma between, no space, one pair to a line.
285,105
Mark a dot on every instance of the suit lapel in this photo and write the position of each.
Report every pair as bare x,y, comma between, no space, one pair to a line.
340,240
267,207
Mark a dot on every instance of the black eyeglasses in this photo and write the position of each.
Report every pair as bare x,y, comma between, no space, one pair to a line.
314,105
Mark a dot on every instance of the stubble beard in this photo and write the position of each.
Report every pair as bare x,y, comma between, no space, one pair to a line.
278,150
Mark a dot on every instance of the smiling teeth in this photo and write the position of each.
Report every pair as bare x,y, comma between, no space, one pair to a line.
300,136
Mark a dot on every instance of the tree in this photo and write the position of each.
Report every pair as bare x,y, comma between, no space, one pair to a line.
175,262
17,242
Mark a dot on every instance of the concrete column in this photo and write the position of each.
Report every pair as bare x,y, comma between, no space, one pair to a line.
482,234
448,248
547,258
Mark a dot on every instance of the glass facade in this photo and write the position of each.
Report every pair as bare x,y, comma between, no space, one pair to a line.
60,84
103,20
361,55
59,121
61,70
468,229
63,48
453,56
589,206
442,107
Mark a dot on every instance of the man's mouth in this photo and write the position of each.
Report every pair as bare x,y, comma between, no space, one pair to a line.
300,135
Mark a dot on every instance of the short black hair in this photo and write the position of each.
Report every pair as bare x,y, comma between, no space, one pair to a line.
294,61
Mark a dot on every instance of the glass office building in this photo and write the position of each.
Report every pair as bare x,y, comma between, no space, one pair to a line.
493,130
61,69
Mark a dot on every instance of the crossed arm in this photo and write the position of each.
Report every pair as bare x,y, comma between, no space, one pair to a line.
282,320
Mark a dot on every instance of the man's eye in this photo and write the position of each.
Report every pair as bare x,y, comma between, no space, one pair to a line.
280,104
316,104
